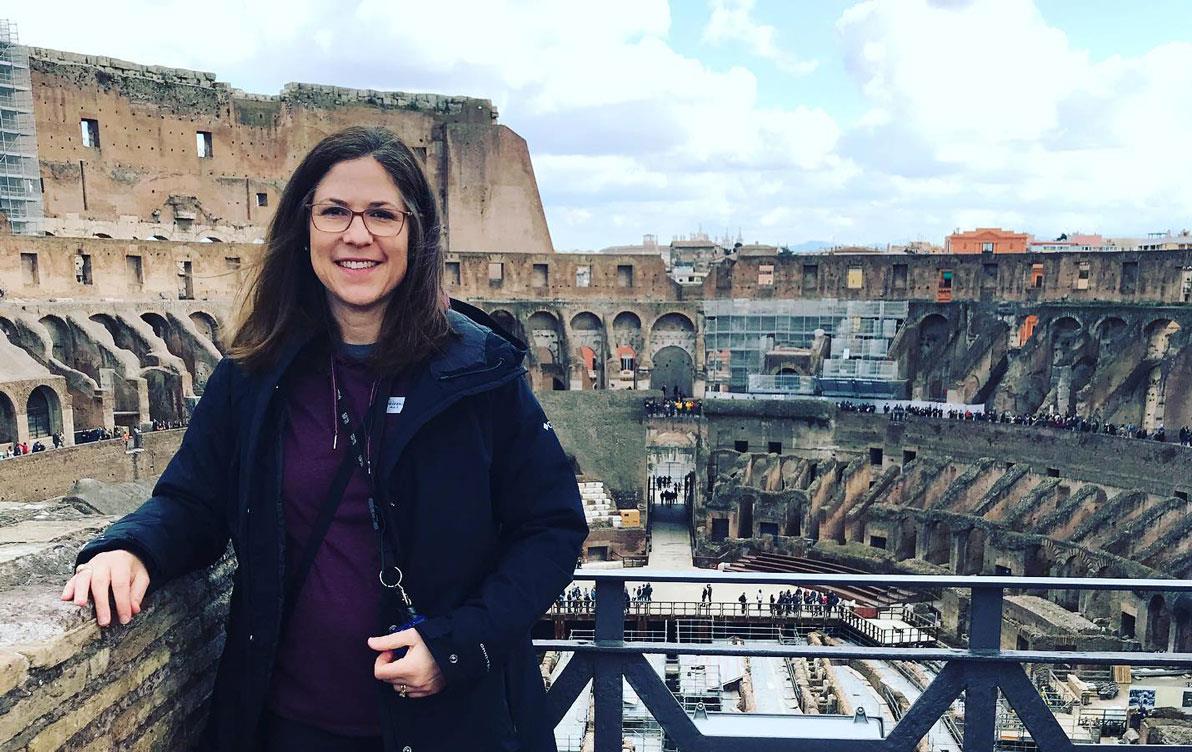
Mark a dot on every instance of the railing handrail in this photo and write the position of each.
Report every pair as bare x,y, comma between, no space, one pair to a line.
906,581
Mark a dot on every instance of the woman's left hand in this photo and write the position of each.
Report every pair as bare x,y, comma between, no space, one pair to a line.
415,674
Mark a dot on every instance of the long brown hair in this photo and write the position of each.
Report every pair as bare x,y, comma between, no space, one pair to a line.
285,298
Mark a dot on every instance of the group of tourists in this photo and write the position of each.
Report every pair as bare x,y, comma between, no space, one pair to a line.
673,408
21,448
1047,420
796,602
666,489
576,599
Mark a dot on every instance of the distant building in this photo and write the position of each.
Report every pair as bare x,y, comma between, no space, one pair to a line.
649,247
1168,242
691,259
1074,242
987,240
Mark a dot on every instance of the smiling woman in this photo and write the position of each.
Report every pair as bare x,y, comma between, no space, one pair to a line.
385,586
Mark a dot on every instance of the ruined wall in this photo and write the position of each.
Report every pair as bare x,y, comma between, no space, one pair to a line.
49,474
1127,277
147,175
606,434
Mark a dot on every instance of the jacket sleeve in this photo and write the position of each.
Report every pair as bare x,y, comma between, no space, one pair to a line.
183,526
537,503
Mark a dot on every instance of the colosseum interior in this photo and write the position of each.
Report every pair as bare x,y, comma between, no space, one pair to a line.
114,315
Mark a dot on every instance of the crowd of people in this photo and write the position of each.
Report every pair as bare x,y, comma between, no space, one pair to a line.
667,490
1047,420
673,408
794,602
130,437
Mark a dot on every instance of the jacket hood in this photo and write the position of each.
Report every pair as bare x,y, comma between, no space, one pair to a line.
480,345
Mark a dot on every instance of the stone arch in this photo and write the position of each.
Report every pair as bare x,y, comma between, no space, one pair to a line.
169,332
587,339
934,334
62,342
1158,623
507,321
672,329
1108,329
673,367
550,358
123,336
1158,338
208,326
44,412
165,393
1066,326
937,542
8,421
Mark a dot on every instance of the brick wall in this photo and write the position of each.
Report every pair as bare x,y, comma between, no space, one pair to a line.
53,473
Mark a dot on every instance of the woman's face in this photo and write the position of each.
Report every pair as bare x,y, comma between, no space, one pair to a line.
359,270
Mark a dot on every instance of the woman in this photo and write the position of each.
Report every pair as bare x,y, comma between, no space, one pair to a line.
400,509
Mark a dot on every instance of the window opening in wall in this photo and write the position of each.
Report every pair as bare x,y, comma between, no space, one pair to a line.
203,144
1037,276
987,247
1128,625
774,447
765,275
262,199
856,278
1186,286
768,528
583,276
540,275
908,455
453,272
136,272
496,272
82,265
943,291
719,528
810,276
899,276
875,455
186,284
998,569
1082,275
1009,465
29,274
741,446
1187,701
990,271
1181,495
1020,643
1053,472
232,263
90,129
624,275
1129,283
877,541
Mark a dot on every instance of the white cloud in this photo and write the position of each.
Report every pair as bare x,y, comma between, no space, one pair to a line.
976,111
732,21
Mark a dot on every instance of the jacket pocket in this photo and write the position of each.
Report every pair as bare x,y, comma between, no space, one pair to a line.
475,718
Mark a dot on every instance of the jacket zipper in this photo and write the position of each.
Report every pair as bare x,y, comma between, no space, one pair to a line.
459,375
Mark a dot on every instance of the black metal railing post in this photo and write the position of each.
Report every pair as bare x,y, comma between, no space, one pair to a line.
606,685
980,693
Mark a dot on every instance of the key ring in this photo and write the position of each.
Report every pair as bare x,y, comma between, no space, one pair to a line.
381,576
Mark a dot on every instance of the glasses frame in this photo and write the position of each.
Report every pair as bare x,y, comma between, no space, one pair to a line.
405,214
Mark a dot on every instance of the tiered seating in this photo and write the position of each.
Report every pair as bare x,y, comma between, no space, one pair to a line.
598,505
862,594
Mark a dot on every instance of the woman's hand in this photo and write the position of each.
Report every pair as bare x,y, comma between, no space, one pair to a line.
414,675
119,572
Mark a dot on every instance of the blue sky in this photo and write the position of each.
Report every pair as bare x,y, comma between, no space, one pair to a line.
848,121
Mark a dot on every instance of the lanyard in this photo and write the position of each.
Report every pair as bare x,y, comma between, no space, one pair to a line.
361,451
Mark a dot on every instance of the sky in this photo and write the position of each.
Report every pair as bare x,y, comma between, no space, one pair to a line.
775,121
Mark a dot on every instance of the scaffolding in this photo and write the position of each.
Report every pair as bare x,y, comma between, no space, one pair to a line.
739,334
20,177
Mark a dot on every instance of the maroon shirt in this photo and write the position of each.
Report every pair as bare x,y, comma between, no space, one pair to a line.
324,671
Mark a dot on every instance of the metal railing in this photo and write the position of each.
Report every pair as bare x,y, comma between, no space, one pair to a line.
979,671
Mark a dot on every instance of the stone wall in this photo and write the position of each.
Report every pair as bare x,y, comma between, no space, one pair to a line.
147,177
54,473
606,434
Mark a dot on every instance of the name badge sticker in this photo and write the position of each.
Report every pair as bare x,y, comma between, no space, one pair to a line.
395,405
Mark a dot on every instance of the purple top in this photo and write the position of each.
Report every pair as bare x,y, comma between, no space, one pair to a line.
324,671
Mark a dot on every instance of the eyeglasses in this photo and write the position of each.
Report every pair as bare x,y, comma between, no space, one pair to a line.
380,221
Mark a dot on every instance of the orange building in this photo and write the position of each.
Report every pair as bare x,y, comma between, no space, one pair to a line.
987,240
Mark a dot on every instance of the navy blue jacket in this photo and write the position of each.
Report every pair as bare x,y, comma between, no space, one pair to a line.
491,527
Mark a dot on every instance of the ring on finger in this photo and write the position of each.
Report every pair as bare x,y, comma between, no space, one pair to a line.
403,690
83,568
